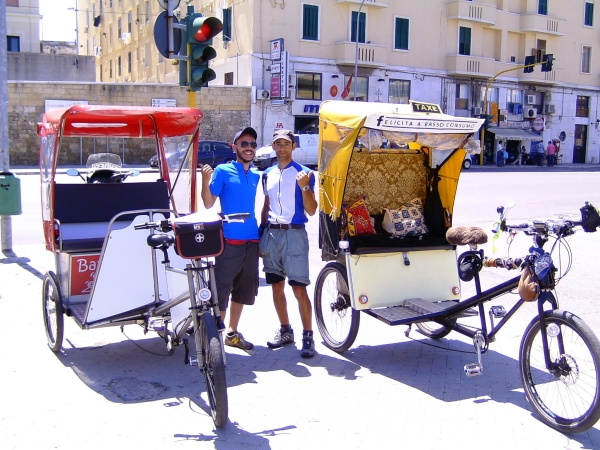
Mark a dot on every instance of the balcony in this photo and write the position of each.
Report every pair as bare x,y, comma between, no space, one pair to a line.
473,66
471,11
537,77
369,55
543,24
370,3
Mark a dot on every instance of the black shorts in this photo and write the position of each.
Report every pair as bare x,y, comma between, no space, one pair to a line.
236,273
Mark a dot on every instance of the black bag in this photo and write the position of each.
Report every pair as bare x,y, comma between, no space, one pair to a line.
199,240
590,218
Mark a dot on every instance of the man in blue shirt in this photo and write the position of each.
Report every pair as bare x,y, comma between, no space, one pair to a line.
236,269
289,195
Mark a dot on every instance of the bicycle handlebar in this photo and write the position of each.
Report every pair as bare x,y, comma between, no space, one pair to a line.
167,225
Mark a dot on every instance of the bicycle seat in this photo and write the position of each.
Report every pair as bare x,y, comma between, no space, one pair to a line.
471,236
160,240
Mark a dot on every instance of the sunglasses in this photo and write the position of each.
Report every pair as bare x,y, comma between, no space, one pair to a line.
245,144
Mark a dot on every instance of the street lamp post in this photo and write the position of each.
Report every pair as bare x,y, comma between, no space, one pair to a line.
356,56
76,26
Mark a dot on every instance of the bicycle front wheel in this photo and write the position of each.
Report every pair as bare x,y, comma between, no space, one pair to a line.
567,397
53,311
337,321
213,368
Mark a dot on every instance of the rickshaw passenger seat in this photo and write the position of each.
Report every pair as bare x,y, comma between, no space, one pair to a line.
84,211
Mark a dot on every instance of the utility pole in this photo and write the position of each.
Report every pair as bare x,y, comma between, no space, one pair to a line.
5,221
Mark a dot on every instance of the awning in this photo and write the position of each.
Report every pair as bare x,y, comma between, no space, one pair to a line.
514,134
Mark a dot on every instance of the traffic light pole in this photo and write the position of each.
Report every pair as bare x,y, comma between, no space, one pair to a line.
487,88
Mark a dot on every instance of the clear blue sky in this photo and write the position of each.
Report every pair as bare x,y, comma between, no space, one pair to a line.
58,23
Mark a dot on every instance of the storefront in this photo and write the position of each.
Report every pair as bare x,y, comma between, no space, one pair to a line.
514,139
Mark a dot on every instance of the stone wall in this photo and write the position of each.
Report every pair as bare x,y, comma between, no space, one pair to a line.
226,109
23,66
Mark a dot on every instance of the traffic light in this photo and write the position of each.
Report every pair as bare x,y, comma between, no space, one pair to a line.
487,119
547,60
528,61
200,31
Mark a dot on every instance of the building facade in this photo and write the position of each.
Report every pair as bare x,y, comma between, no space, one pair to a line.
439,51
23,25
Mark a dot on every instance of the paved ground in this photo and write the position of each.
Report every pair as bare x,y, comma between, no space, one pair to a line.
108,389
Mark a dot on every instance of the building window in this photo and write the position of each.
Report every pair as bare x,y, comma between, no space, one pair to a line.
362,25
586,59
399,91
589,14
582,109
147,12
129,19
13,43
100,72
227,24
228,79
308,86
310,22
110,69
543,7
119,66
362,88
129,62
119,29
110,3
401,34
464,41
12,3
110,34
463,96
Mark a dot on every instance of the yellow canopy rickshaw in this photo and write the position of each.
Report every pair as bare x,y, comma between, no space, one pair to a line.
389,154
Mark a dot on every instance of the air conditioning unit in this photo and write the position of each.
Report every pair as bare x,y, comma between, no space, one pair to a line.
549,108
264,94
97,50
477,111
530,113
531,99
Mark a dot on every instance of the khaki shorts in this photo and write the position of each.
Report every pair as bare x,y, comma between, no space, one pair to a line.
285,253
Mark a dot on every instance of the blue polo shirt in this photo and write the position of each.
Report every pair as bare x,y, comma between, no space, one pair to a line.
236,190
285,196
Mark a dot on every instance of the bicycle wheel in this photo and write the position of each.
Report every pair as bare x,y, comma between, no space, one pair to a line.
568,397
434,330
53,312
213,368
337,321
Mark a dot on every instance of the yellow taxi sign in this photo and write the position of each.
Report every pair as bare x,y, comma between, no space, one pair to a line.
425,107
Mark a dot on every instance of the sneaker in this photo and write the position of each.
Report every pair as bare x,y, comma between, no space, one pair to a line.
237,340
308,347
283,336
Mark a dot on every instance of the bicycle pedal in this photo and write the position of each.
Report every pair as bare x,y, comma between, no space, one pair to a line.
192,361
473,370
498,311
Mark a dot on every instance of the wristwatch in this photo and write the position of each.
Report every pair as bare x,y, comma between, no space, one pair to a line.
305,188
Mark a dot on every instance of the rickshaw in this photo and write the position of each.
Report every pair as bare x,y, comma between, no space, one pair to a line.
388,177
108,272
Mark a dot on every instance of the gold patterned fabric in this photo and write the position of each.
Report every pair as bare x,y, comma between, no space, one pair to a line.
388,180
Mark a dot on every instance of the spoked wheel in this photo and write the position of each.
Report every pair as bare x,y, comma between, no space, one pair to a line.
567,397
434,330
53,312
213,368
337,321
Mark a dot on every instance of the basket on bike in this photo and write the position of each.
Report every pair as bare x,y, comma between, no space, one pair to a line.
199,239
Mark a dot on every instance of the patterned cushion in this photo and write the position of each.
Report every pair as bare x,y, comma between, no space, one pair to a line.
406,221
359,221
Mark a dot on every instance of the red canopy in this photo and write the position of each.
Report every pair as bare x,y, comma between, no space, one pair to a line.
122,121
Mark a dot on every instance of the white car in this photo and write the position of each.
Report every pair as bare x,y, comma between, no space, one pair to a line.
468,161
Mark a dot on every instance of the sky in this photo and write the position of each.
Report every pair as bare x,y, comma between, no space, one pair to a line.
58,23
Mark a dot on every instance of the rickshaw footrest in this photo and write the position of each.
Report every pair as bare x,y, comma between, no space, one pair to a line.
412,310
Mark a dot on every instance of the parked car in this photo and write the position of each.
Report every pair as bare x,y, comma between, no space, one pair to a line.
306,152
212,153
468,161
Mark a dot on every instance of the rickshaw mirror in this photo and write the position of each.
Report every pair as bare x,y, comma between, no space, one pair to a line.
134,173
73,173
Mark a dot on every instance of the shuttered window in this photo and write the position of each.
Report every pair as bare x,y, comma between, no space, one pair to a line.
401,34
310,22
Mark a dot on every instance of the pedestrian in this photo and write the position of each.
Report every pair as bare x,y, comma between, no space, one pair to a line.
550,151
289,195
500,155
236,269
523,155
540,153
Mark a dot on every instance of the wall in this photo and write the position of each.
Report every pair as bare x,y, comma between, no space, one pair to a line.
50,67
226,110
